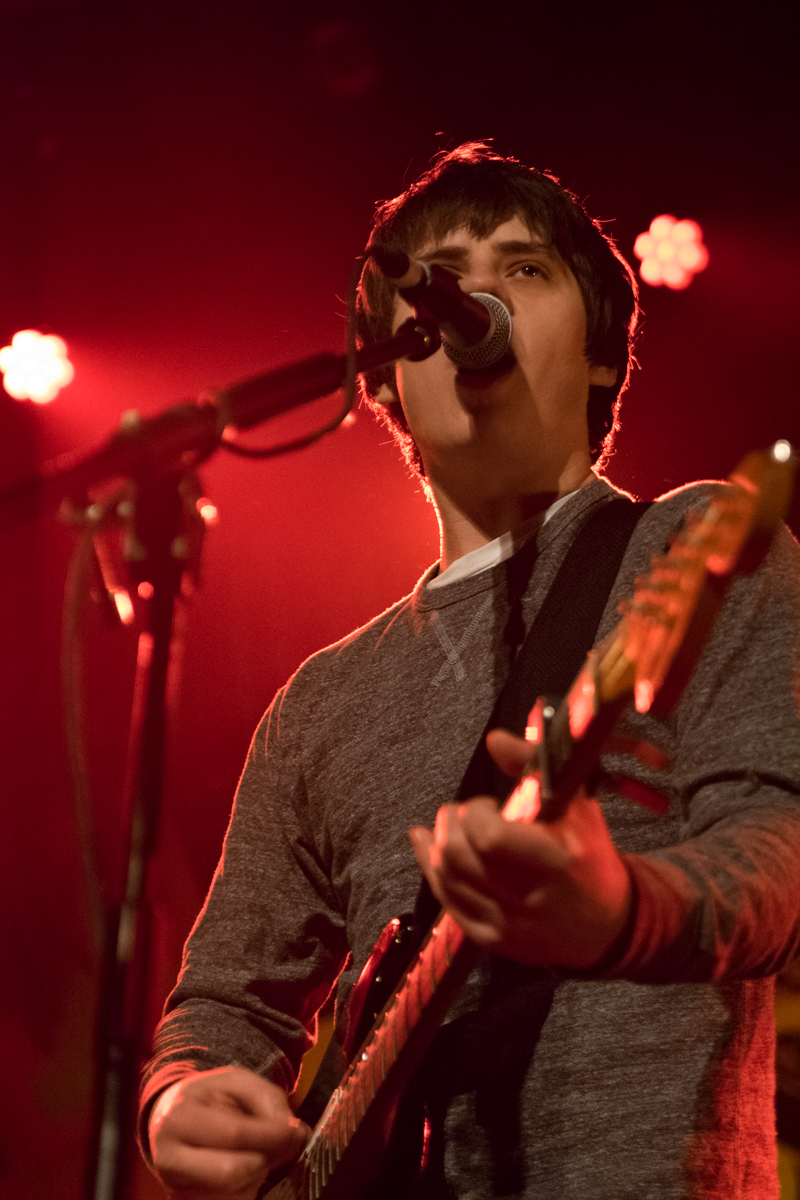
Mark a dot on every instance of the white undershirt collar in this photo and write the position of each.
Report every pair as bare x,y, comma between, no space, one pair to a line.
497,551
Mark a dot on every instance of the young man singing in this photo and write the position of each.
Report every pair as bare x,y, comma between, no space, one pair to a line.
616,1041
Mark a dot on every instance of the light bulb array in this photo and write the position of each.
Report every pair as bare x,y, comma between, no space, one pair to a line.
672,252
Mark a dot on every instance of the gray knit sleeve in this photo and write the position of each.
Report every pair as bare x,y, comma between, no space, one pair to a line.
724,901
270,939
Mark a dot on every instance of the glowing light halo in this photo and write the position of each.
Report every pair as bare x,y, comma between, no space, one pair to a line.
208,510
671,252
35,366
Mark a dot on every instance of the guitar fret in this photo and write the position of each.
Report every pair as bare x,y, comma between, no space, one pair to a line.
364,1079
359,1100
427,981
355,1108
308,1182
376,1052
416,991
412,996
438,961
389,1048
438,942
394,1032
369,1073
401,1022
455,938
447,931
444,933
439,954
338,1129
330,1153
383,1038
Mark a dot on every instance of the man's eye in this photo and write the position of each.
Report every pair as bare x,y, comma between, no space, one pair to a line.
529,270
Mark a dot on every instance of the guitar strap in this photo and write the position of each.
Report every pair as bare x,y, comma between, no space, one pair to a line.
547,662
560,637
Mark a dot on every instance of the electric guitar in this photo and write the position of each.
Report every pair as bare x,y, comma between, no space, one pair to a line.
647,660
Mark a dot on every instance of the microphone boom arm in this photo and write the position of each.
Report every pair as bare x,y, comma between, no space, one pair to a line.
184,435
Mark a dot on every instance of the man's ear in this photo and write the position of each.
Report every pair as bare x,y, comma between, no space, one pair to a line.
602,376
387,395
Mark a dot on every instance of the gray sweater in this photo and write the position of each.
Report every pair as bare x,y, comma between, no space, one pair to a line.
652,1080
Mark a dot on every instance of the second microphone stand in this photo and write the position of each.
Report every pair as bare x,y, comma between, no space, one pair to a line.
156,454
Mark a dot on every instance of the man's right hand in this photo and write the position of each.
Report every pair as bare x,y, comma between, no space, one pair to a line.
215,1135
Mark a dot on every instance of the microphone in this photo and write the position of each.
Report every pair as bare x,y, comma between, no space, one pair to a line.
476,328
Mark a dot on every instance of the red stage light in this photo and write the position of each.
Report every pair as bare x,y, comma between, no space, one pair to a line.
672,252
124,606
35,366
208,511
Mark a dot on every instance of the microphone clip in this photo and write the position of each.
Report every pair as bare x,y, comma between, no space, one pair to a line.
428,328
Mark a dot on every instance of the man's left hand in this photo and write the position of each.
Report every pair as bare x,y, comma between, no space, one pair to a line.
554,894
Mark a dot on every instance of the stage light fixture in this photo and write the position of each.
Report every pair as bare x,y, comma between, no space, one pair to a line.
672,252
35,366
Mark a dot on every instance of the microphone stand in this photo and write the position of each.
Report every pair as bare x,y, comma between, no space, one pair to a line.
158,454
158,525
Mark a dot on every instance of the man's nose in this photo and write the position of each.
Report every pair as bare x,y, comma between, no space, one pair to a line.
487,281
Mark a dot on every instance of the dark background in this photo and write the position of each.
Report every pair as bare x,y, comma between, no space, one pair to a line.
183,187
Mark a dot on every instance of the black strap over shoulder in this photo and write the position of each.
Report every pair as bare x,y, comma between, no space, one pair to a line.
561,635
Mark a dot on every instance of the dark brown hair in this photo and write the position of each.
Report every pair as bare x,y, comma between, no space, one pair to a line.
474,188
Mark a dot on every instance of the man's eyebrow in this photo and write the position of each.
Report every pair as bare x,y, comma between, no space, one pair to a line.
452,254
458,255
534,246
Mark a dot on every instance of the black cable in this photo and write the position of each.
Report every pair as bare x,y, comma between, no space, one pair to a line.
351,374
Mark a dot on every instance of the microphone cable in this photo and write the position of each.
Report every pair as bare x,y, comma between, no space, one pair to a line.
349,401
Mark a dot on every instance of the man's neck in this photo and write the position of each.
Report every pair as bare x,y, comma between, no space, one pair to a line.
464,527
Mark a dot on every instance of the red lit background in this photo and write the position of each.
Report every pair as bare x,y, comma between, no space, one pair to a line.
182,190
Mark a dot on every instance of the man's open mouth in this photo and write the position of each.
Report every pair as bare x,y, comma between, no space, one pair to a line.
475,376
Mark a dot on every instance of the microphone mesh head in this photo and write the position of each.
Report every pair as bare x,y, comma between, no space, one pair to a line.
492,348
